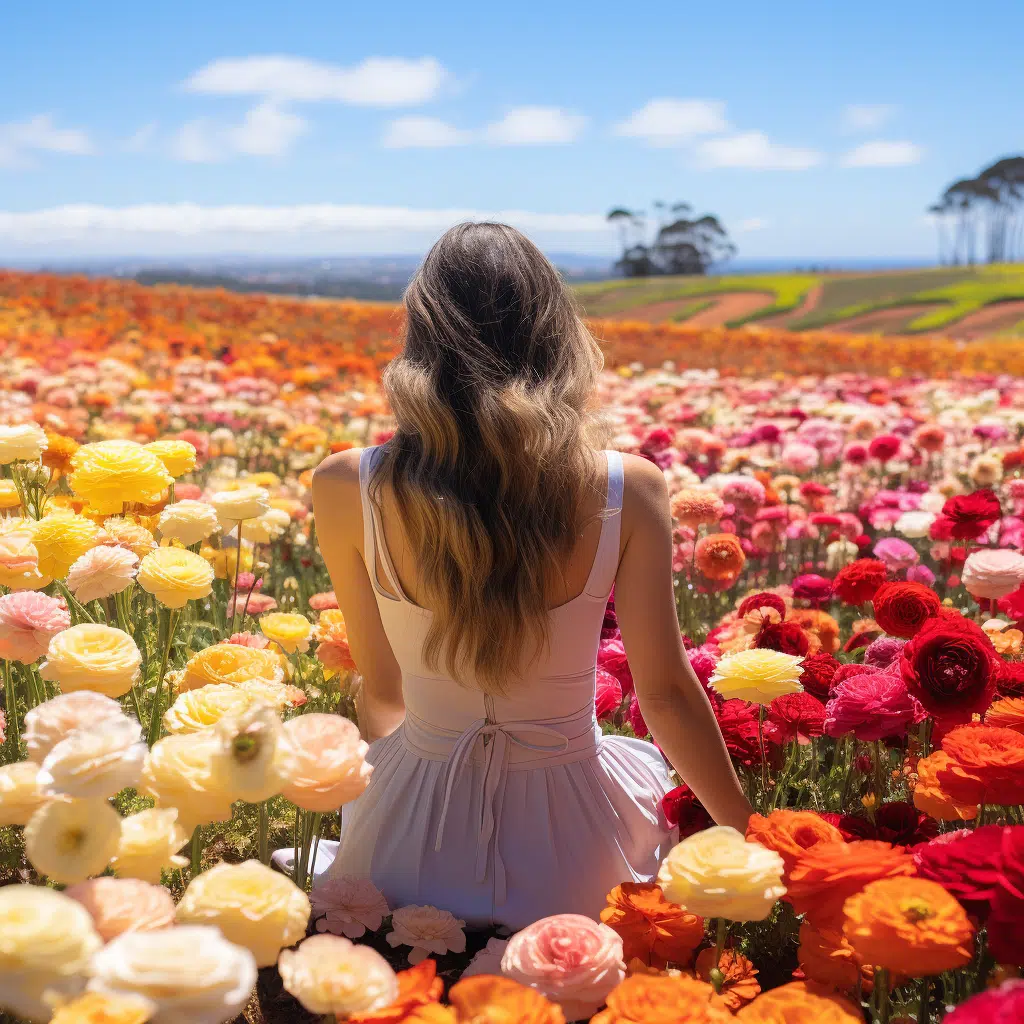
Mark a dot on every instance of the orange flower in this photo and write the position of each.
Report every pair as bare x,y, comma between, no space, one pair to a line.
790,833
652,929
485,999
430,1013
645,999
986,765
417,987
908,925
1007,714
826,957
800,1002
826,875
819,625
59,450
740,984
929,795
719,556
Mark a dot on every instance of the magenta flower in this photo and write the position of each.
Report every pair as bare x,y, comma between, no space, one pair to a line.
872,707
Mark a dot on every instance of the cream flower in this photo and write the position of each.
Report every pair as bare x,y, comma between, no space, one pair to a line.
69,840
102,572
328,764
915,524
265,528
19,559
175,576
253,906
149,844
254,754
330,975
110,474
427,930
96,762
118,905
188,772
46,942
200,709
757,675
128,534
9,497
348,906
233,664
22,442
178,457
992,573
105,1008
91,656
192,974
50,722
236,506
289,630
718,873
60,538
188,521
20,793
839,553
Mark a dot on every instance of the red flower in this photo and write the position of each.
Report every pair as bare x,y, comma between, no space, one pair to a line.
951,667
1006,920
901,609
872,707
857,582
611,656
971,515
884,447
902,824
812,587
851,827
966,864
1010,679
763,600
682,808
787,637
636,719
819,669
739,729
608,696
1003,1005
795,714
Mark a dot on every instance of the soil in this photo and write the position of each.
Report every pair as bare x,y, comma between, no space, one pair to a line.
722,310
992,319
785,320
884,321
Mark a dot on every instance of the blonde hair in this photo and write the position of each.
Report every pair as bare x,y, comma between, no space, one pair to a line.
490,465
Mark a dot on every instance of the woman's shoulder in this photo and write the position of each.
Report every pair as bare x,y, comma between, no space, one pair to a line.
642,480
339,471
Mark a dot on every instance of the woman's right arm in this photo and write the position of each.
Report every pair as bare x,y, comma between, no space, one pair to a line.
672,700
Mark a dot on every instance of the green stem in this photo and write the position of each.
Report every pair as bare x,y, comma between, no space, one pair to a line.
882,1004
264,833
715,974
238,567
165,657
922,1006
195,852
13,726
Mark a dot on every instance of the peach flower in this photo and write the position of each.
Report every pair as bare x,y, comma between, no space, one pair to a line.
119,905
348,906
20,793
28,621
102,572
568,958
427,930
50,722
328,764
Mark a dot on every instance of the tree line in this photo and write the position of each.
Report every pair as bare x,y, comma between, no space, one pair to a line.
981,219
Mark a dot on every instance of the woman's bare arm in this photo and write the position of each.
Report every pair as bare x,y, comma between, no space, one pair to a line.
339,527
673,702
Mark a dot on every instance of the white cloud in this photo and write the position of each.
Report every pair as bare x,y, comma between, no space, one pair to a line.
754,150
141,140
268,130
881,153
669,122
95,223
19,139
423,133
535,126
375,81
864,117
198,142
751,224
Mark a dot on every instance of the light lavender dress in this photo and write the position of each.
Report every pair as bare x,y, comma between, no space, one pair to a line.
504,810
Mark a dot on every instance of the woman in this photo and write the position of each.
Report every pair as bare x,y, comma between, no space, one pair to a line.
472,556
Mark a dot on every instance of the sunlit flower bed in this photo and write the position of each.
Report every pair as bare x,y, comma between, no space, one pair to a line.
850,584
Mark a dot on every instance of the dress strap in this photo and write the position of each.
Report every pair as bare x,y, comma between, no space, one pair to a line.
606,561
374,542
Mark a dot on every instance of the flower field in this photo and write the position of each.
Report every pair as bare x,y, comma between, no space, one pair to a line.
849,560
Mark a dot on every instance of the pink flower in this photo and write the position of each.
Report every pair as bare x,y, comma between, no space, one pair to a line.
187,492
349,906
608,694
251,604
872,707
611,656
568,958
323,602
636,719
119,905
897,554
257,640
327,765
28,621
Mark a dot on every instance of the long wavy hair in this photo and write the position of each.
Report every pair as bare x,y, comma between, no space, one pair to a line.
490,466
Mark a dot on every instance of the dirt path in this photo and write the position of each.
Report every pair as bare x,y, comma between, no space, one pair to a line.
883,321
722,310
809,304
991,319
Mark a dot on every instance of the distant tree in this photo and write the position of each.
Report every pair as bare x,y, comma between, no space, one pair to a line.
681,244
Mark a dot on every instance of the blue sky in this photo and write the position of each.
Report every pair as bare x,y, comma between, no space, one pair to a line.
815,130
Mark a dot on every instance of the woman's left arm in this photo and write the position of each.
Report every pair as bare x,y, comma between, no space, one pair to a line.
337,509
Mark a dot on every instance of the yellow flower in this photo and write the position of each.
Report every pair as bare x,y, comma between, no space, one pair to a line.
19,559
235,506
289,630
332,975
188,521
231,663
109,474
130,534
175,576
150,841
718,873
9,495
70,840
178,457
61,538
105,1008
188,772
205,707
47,941
22,442
91,656
265,528
253,906
225,560
757,675
20,793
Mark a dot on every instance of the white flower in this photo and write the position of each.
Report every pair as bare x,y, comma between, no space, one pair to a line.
102,572
70,840
95,762
22,442
348,906
266,527
915,523
839,553
427,930
49,723
188,521
235,506
191,972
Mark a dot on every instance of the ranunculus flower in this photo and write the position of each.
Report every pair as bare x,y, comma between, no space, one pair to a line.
695,507
102,572
191,973
986,765
718,873
481,997
757,675
993,1006
129,534
118,905
236,506
60,539
69,840
684,811
739,984
800,1002
786,637
651,998
811,587
930,796
188,521
951,667
652,929
348,906
331,975
289,630
178,457
568,958
896,554
826,957
104,1008
149,844
857,582
719,556
20,793
48,941
28,621
92,656
95,763
971,515
966,863
111,474
254,755
901,609
790,833
818,672
608,694
872,707
327,765
21,442
611,656
991,573
175,576
252,905
794,716
19,557
52,721
884,652
231,663
1007,713
426,930
206,707
902,824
